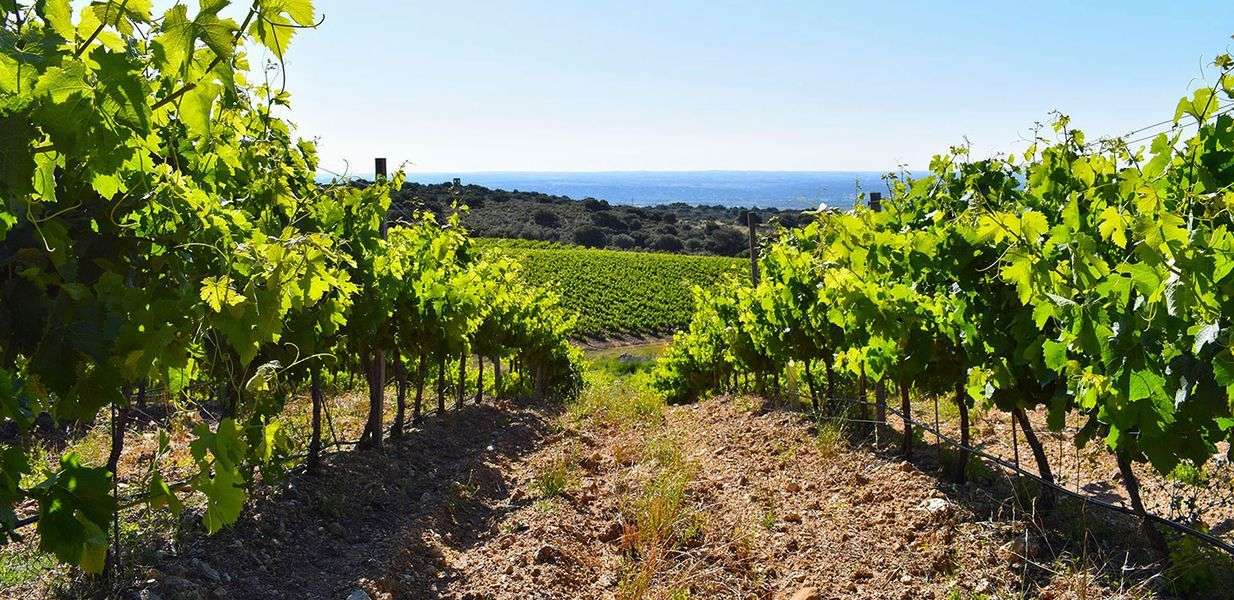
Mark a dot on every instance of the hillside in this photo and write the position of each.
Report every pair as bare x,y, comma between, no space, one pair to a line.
712,230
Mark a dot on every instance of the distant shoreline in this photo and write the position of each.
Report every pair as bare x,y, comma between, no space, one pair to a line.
794,190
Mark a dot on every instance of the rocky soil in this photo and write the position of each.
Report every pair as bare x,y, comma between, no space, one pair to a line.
521,501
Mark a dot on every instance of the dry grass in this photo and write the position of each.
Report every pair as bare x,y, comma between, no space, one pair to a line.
660,519
615,396
554,478
829,438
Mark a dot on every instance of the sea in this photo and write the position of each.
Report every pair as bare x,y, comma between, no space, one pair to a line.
763,189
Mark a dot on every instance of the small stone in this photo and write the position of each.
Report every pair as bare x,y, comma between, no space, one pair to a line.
793,487
358,594
208,571
935,505
906,578
148,594
547,554
808,593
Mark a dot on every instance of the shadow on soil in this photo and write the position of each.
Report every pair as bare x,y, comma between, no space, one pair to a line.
380,521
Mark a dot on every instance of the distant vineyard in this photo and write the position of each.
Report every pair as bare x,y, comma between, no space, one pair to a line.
615,292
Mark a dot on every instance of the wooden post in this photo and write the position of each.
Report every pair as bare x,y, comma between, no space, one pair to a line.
379,357
753,247
880,388
962,455
497,376
377,376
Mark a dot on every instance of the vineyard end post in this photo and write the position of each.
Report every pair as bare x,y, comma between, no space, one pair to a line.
753,246
880,387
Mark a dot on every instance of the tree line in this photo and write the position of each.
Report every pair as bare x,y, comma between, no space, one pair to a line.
676,227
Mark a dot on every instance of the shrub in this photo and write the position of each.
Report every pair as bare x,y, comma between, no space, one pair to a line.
608,220
590,236
668,243
545,218
594,205
726,241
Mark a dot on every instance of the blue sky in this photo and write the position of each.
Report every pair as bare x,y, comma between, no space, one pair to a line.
581,86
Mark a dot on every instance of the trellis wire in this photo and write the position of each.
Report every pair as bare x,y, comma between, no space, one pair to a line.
1208,538
186,483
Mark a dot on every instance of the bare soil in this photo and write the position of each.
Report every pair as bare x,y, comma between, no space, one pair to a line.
460,509
1206,504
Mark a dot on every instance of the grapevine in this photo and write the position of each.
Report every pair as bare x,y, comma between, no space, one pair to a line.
619,293
1089,278
161,228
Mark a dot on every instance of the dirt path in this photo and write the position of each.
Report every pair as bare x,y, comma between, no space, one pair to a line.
776,511
721,499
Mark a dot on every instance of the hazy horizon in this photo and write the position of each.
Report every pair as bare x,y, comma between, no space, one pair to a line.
688,86
732,188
